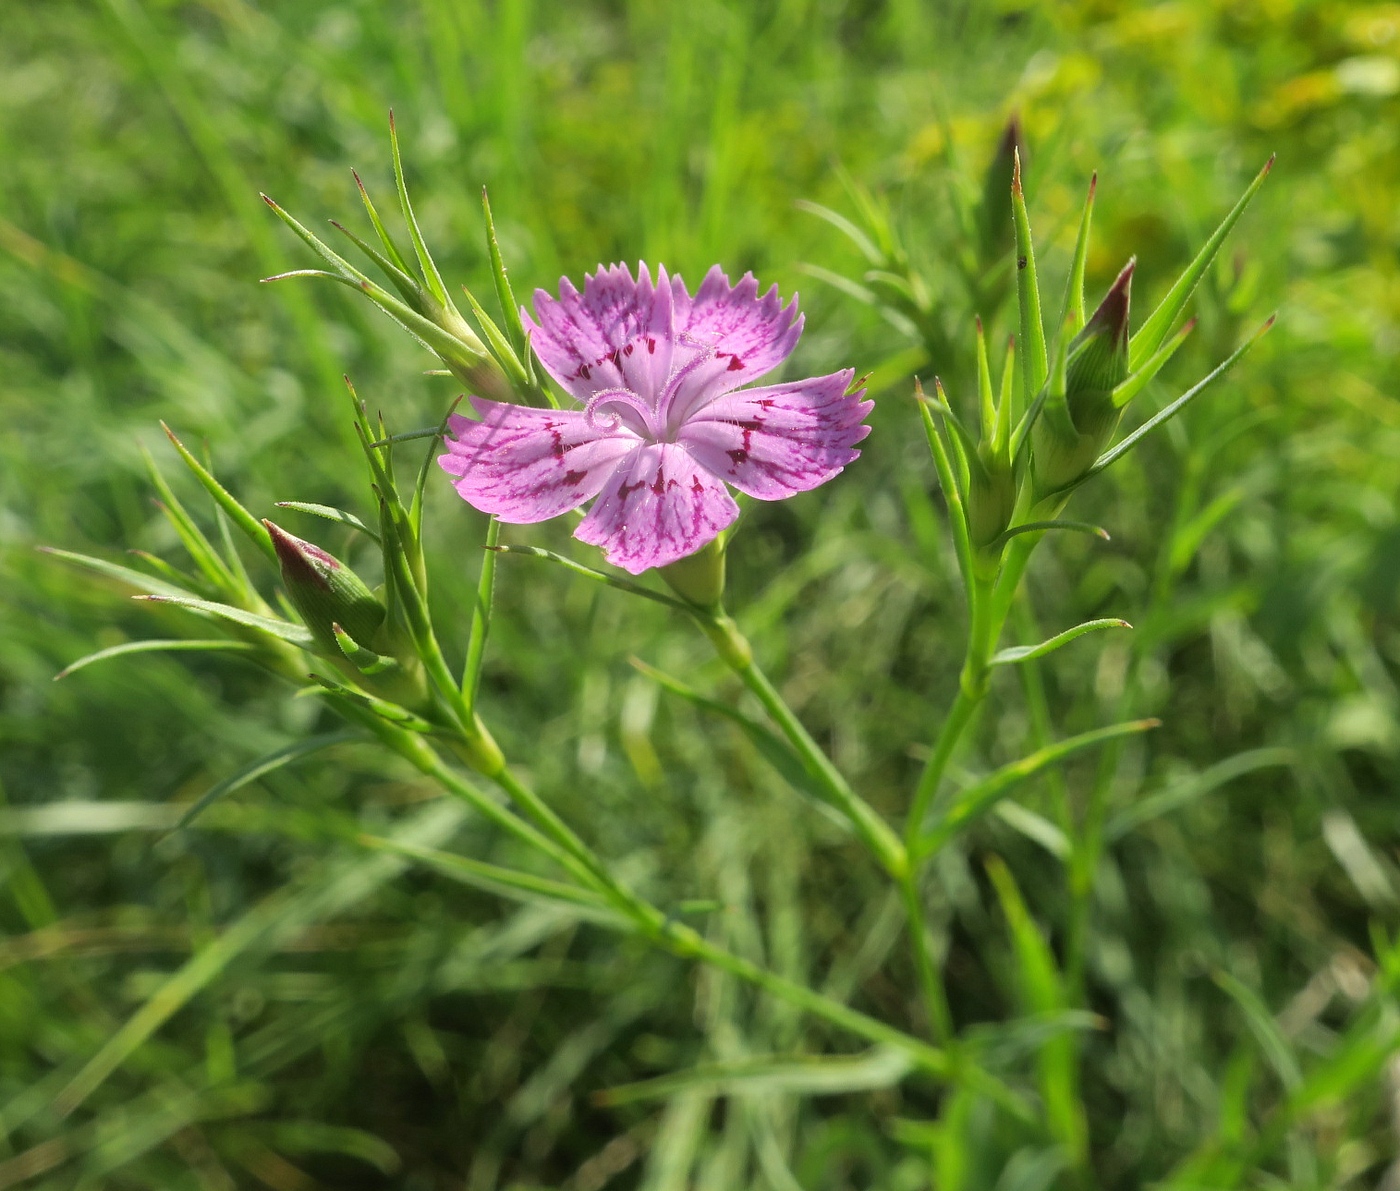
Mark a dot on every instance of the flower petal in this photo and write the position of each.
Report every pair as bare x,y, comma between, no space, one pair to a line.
616,334
526,465
755,334
658,506
781,439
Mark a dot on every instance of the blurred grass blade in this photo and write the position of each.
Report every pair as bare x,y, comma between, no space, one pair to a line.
293,634
330,514
810,1075
1153,333
1275,1047
240,516
1115,453
80,816
261,768
316,1137
415,508
848,229
175,645
282,916
1042,992
770,745
1185,792
1026,653
112,570
980,797
1034,827
503,882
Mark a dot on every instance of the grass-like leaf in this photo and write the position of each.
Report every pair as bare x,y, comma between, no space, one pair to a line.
1026,653
240,516
330,514
809,1075
176,645
977,799
293,634
1153,333
261,768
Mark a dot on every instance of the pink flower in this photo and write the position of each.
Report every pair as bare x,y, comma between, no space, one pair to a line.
664,423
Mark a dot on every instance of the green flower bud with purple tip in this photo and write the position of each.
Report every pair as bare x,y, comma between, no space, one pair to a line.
1081,410
327,593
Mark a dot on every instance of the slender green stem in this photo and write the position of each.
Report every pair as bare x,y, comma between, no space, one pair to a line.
876,834
481,615
930,978
972,687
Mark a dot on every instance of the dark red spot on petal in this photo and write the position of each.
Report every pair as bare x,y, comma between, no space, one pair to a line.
651,345
627,351
739,455
573,479
735,364
584,371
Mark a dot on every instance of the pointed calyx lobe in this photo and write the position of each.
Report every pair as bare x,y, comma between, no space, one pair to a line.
664,424
325,591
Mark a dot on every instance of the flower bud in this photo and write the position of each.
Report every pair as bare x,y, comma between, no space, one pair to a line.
698,577
1076,424
326,592
991,497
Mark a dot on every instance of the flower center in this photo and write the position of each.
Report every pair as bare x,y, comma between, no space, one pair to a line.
610,409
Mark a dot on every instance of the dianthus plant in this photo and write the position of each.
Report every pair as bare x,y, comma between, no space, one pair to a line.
640,395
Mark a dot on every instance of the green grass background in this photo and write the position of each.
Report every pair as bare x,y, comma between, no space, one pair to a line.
347,1024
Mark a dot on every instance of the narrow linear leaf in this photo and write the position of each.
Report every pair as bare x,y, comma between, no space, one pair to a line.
330,514
402,280
481,616
281,916
980,797
811,1075
240,516
773,747
1267,1034
293,634
1117,452
425,260
1042,526
391,713
261,768
1026,653
504,882
843,225
200,548
387,240
1034,360
176,645
1183,793
579,568
112,570
1153,332
510,308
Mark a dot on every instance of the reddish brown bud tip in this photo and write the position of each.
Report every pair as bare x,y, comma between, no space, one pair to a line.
1268,165
300,561
1016,171
1093,185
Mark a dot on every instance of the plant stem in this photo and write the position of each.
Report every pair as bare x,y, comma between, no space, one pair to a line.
877,835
